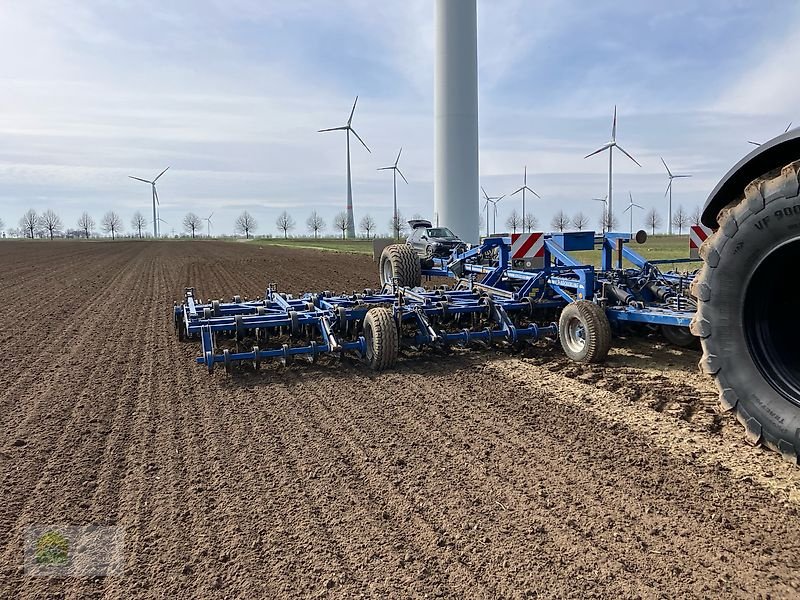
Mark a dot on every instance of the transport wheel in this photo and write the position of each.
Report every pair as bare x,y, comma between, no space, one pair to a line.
679,336
584,332
226,355
380,334
400,261
209,362
747,314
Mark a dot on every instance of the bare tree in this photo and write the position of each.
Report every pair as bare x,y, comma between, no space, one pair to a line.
29,222
340,222
680,219
315,223
696,216
285,223
397,224
367,225
514,221
191,223
245,223
560,221
607,221
86,224
653,220
579,221
51,222
530,222
111,223
138,222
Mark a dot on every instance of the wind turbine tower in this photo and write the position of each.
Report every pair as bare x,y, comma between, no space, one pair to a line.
455,98
670,176
610,145
351,226
155,198
395,170
523,189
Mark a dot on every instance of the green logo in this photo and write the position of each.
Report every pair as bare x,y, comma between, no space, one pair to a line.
52,549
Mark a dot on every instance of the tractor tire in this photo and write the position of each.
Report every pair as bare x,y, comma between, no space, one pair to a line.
400,261
380,335
746,315
584,332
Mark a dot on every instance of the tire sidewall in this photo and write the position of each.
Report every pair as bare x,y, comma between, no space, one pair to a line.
757,236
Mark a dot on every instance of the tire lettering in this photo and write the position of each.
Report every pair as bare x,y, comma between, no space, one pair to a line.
763,223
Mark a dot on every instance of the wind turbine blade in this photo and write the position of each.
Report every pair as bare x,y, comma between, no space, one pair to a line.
160,174
360,140
485,195
515,192
332,129
397,160
669,186
628,208
638,206
754,143
211,215
599,150
155,194
665,166
399,172
385,168
628,155
352,111
525,175
787,127
614,125
140,179
533,192
680,176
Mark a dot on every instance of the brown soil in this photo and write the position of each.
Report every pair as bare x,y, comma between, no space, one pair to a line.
472,475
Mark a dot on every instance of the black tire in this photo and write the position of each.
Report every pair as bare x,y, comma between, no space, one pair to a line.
681,337
380,334
402,262
746,317
584,332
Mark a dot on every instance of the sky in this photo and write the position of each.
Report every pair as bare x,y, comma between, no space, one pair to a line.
230,95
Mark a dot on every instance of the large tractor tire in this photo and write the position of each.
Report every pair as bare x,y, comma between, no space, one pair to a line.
401,262
747,316
381,338
584,332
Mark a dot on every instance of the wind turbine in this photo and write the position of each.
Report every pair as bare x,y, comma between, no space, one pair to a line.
670,176
610,147
351,228
160,220
395,170
155,198
759,143
605,210
208,224
631,206
493,200
523,189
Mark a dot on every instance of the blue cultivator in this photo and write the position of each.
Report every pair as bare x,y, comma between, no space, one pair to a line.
372,325
508,290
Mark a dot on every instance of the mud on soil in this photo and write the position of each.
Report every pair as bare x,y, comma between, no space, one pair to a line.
476,475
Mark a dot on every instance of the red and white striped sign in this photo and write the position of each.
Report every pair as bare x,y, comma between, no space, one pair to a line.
697,235
527,245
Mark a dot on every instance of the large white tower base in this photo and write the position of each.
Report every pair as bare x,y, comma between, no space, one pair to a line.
455,189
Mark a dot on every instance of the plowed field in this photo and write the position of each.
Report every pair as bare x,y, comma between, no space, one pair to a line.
477,475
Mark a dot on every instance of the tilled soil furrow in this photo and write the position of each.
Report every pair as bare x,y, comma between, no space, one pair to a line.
62,493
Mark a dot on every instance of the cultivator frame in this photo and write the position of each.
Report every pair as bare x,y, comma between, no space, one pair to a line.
494,300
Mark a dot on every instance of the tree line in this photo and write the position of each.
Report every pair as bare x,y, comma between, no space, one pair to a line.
49,224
